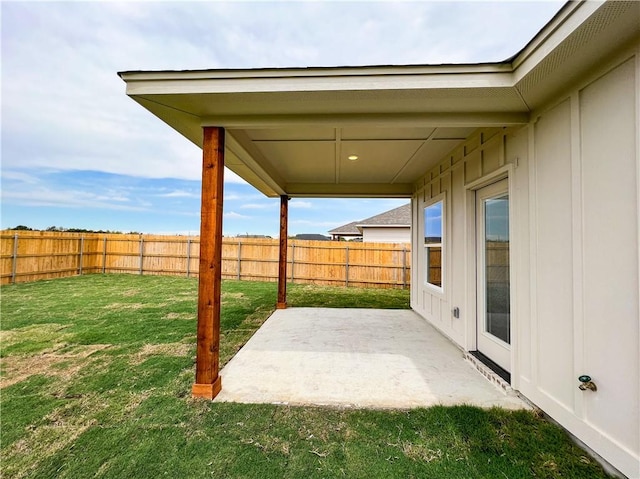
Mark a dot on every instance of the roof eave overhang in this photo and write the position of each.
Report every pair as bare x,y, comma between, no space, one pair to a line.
524,76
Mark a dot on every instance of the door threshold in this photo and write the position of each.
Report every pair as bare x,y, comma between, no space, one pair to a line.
501,372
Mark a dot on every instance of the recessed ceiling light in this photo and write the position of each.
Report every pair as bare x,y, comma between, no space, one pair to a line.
353,157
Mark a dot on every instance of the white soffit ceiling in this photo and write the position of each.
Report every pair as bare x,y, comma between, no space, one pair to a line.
321,155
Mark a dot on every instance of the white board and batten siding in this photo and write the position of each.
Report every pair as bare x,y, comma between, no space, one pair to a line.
388,234
487,156
574,176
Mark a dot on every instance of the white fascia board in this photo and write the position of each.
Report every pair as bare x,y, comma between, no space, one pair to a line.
365,78
305,72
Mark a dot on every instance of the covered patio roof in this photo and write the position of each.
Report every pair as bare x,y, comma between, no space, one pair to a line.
291,131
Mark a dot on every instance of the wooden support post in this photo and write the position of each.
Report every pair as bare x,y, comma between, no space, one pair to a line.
208,382
282,262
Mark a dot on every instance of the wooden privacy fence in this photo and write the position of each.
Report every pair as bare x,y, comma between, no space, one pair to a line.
29,256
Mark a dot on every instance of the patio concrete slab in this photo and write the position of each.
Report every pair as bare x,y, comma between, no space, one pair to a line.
355,358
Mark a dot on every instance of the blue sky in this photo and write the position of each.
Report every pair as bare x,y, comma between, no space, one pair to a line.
76,152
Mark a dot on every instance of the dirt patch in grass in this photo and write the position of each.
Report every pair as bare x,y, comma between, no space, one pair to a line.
135,399
233,298
130,292
189,316
257,318
166,349
124,306
419,452
20,367
238,295
269,444
34,334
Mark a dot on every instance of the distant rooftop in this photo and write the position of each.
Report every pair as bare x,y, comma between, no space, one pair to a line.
312,237
400,216
347,230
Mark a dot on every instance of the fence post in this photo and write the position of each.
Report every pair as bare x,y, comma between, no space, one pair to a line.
141,251
81,253
404,266
104,255
293,260
346,266
188,256
239,258
14,260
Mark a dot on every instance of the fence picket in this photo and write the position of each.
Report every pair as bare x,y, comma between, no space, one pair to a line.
188,266
104,256
141,255
14,261
81,259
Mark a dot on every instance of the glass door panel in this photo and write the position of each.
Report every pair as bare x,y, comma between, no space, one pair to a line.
493,275
496,253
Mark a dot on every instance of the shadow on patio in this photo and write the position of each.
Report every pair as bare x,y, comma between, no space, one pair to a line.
355,358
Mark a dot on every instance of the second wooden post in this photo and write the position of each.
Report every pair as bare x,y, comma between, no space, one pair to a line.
282,262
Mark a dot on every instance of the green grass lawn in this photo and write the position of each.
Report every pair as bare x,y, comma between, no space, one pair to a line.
96,378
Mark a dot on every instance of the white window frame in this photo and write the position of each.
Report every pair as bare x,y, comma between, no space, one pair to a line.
426,246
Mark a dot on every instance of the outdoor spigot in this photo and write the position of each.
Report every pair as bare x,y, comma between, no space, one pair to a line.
587,383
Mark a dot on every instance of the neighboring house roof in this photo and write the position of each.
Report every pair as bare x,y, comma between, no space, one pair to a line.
347,230
398,217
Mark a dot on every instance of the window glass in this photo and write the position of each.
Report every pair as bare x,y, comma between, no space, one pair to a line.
433,223
433,228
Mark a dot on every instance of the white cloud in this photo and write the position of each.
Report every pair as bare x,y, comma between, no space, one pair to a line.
234,215
180,194
318,224
19,176
70,199
257,206
300,204
244,193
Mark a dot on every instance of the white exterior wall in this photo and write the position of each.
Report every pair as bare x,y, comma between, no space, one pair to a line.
387,234
574,175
